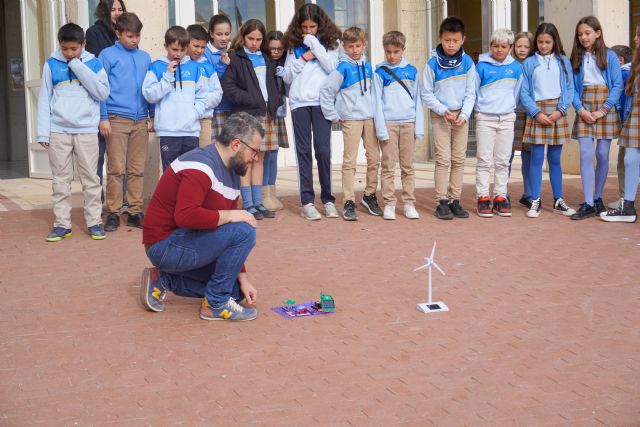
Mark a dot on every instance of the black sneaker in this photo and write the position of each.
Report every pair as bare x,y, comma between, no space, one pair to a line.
135,220
457,209
443,211
525,201
626,212
584,211
255,212
484,207
599,205
265,212
112,223
502,206
370,203
349,212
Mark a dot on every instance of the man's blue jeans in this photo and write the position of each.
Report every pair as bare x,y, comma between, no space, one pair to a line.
204,263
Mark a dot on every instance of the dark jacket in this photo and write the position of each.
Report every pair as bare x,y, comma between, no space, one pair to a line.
99,37
240,86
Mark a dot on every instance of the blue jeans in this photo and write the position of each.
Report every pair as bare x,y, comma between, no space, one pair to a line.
204,263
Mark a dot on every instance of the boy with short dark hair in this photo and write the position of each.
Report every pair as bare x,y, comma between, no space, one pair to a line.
449,91
197,45
73,84
624,56
347,98
399,120
177,87
126,118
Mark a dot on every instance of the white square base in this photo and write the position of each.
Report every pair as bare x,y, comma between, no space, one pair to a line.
433,307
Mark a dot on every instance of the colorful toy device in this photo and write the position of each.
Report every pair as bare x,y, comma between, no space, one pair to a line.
327,303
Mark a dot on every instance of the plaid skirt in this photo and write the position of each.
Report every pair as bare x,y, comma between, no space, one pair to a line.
270,140
281,132
608,127
518,131
219,117
630,134
556,134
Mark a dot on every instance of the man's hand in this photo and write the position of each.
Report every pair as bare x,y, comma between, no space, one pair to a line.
241,216
171,68
249,291
597,115
105,129
556,115
225,58
150,127
45,145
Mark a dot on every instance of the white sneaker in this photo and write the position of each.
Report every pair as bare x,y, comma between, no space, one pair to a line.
310,212
410,211
615,205
560,207
389,212
330,210
534,210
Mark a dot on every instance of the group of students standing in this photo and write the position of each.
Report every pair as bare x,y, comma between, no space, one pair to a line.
520,90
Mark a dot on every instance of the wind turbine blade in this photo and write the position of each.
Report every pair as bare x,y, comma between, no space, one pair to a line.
420,268
433,251
438,268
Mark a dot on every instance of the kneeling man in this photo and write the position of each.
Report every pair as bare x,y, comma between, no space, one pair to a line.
194,235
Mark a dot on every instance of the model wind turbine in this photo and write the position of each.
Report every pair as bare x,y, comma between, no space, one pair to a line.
430,306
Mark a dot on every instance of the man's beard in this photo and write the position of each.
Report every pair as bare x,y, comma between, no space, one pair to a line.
237,166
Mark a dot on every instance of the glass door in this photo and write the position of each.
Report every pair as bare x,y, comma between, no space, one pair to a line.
40,21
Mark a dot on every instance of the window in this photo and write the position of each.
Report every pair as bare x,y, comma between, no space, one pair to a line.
204,11
240,11
345,13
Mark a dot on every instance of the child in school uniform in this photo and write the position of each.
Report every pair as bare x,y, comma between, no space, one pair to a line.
73,84
547,94
598,85
270,173
312,42
630,140
217,55
195,50
399,120
347,98
521,49
449,90
624,56
496,100
178,87
250,85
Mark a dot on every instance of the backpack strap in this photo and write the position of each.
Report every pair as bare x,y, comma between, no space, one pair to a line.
396,78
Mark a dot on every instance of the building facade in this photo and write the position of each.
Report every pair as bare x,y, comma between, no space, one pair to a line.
29,29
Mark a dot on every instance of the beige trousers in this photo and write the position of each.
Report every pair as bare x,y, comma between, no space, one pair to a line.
83,147
494,135
126,156
450,143
400,146
205,132
352,132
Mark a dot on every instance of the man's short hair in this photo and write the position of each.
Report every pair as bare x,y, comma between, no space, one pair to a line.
197,32
128,22
394,38
353,35
502,35
240,126
71,33
176,34
624,51
452,24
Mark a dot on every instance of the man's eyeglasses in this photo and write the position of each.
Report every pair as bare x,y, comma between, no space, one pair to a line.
253,150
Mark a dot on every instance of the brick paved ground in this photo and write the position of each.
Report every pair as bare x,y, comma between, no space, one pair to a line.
543,328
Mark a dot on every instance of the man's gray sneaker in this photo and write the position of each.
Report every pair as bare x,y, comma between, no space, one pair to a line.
310,212
330,210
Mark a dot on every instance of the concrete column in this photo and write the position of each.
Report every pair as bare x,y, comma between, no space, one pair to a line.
614,18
